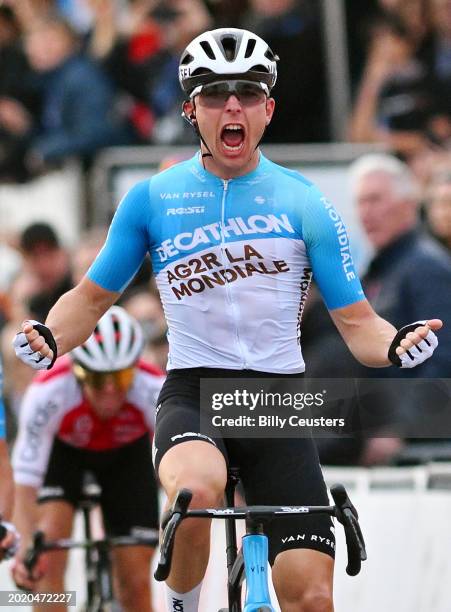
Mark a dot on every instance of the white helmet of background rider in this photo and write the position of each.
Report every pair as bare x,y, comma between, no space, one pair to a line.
115,344
230,53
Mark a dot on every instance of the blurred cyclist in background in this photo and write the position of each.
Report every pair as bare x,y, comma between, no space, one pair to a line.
234,240
94,412
9,539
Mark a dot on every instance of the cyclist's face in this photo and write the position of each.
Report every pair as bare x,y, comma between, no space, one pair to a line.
106,398
232,125
384,214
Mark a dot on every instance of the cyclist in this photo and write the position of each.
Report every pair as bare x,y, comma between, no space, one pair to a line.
9,539
234,239
93,412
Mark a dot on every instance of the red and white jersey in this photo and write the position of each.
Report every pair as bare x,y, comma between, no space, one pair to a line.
54,407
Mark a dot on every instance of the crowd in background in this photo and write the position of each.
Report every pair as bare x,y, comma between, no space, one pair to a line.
80,75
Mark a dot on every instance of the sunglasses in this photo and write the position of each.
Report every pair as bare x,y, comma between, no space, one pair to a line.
122,379
215,95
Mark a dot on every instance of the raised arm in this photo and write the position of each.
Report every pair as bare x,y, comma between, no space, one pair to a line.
71,321
90,299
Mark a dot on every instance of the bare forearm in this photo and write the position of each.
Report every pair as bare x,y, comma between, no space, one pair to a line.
74,316
366,334
25,513
6,484
362,126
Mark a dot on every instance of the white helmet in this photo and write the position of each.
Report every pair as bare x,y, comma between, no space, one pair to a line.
115,344
230,53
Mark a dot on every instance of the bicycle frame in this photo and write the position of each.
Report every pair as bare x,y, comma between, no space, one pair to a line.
252,560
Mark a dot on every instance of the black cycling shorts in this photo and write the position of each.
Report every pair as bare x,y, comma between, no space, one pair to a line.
129,495
275,471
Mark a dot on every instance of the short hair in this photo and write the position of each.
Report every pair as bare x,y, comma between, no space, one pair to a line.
37,234
404,181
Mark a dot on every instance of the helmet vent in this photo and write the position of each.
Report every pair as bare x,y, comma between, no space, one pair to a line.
199,71
229,46
250,47
270,55
188,58
98,337
259,68
207,48
117,330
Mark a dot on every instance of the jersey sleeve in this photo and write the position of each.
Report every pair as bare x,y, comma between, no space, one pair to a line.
38,424
127,242
328,249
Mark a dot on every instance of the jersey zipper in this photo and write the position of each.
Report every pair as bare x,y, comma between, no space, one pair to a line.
229,295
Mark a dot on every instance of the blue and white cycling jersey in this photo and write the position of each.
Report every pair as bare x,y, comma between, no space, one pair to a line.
2,407
233,261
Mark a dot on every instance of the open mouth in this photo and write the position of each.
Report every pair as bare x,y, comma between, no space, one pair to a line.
232,136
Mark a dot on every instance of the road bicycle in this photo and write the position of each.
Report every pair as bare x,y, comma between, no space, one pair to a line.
98,575
251,561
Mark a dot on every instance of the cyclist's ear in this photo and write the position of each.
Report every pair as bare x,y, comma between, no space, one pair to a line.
188,111
270,104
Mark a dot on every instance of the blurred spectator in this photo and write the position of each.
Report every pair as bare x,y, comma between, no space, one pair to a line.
47,263
17,103
292,28
141,50
78,114
89,244
436,51
438,207
408,279
30,11
123,43
360,20
181,21
399,100
414,15
227,13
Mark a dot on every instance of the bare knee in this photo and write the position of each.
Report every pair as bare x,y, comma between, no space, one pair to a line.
303,580
316,599
205,495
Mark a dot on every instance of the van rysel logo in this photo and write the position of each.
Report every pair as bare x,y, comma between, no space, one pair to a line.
186,195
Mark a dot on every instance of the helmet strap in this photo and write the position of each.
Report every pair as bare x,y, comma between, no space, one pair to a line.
193,123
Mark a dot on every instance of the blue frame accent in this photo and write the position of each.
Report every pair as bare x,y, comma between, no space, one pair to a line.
255,555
